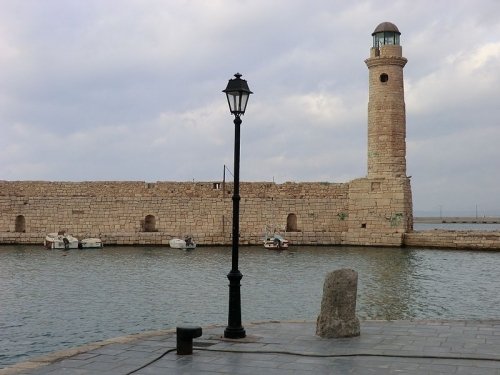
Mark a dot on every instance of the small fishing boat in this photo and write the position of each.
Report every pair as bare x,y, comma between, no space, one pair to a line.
61,241
275,242
91,243
187,243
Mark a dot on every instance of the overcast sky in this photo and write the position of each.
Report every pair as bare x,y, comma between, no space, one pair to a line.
131,90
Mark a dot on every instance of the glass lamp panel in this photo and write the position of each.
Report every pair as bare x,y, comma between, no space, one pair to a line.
390,38
378,40
232,99
244,101
387,38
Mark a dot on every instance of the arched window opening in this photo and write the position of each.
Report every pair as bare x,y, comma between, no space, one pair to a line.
150,224
291,223
20,224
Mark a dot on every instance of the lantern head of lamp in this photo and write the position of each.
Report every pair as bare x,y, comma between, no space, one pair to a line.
237,93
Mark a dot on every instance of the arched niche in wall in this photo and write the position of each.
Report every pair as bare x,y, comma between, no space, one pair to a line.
20,224
291,223
149,223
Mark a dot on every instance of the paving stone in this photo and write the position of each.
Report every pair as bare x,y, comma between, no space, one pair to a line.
264,364
444,369
98,365
297,366
234,369
469,370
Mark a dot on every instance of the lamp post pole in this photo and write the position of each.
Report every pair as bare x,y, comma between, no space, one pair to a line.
234,328
237,93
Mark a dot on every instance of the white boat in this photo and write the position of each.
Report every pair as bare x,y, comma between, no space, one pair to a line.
275,242
60,241
187,243
91,243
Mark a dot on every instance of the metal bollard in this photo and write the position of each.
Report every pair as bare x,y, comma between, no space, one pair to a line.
185,335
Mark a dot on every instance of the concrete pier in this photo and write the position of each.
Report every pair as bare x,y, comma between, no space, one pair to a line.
290,348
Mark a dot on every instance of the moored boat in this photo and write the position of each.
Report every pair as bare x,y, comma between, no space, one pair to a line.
275,242
61,241
91,243
187,243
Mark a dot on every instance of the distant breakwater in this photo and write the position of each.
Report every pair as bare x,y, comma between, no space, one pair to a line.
457,219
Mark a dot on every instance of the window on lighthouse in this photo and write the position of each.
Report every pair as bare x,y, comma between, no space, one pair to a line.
385,37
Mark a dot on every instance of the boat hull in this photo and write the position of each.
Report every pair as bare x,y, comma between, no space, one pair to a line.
61,242
275,242
91,243
271,245
177,243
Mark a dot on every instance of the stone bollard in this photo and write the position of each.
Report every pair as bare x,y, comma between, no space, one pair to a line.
338,307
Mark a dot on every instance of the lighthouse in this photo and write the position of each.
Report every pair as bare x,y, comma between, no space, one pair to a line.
380,205
386,106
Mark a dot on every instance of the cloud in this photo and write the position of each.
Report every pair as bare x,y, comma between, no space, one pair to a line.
465,79
132,91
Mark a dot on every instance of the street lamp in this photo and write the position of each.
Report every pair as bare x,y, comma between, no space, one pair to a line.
237,93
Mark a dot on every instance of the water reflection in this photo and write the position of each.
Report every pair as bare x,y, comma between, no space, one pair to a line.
390,292
51,302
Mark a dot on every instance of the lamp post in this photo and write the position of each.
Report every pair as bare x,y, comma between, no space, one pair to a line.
237,93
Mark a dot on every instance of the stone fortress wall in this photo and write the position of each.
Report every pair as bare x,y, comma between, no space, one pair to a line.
152,213
133,213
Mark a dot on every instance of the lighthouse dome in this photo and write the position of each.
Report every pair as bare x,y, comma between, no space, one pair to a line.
386,26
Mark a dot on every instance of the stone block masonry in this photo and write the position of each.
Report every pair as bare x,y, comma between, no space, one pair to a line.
380,211
152,213
386,113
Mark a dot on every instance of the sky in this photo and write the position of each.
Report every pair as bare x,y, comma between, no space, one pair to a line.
131,90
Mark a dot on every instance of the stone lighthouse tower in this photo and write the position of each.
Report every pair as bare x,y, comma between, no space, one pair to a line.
380,205
386,106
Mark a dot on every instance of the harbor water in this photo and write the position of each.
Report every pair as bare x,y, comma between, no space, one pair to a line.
51,302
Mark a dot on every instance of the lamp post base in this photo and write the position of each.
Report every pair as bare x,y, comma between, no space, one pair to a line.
234,329
234,333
